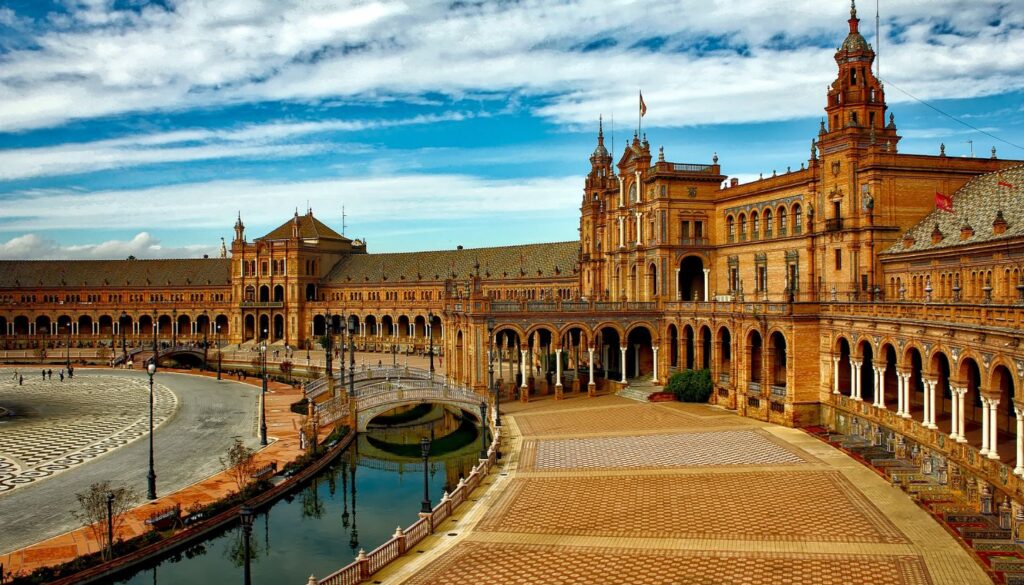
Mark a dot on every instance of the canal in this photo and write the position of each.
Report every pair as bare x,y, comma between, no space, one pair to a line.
354,503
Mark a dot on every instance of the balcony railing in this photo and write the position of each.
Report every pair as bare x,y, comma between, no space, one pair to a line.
833,224
693,241
261,304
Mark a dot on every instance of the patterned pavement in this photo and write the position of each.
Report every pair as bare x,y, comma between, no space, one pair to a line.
603,491
472,563
63,424
747,447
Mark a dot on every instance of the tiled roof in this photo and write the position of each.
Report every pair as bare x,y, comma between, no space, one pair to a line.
309,228
976,205
114,273
506,262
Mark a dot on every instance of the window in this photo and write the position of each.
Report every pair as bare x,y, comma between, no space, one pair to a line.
797,220
734,279
730,228
755,220
767,223
839,259
782,221
632,193
743,227
762,278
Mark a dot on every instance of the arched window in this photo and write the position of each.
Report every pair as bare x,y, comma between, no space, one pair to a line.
782,221
632,193
730,227
767,223
743,227
798,222
755,221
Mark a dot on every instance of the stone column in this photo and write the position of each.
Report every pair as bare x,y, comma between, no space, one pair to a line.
880,387
707,285
855,379
654,377
639,227
558,368
1019,469
591,385
900,404
955,414
522,371
993,429
960,394
835,375
679,291
622,350
984,426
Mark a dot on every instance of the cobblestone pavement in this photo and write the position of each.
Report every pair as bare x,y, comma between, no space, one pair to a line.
603,491
751,447
58,425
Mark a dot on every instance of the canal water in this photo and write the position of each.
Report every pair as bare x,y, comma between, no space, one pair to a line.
354,503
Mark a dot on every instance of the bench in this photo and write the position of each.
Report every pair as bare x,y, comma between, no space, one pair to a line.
164,519
264,471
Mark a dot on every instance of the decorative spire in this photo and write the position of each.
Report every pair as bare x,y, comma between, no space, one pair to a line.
600,127
223,249
661,154
714,158
814,150
853,9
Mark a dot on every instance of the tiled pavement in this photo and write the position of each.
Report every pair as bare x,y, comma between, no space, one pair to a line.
83,418
603,491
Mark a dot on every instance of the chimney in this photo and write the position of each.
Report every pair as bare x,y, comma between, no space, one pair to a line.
936,234
908,240
999,225
733,182
966,231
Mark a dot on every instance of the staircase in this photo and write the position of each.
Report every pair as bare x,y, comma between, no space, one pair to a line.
993,546
639,389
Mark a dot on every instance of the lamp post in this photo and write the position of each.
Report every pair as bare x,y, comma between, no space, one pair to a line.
263,394
124,344
67,349
430,341
217,333
329,346
341,346
351,358
156,350
110,525
483,429
245,514
174,327
426,508
151,485
206,340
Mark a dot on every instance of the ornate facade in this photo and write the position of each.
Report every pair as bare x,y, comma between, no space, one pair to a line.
833,293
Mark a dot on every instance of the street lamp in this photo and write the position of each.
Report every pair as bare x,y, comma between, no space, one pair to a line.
151,489
67,349
351,358
430,341
156,350
245,514
217,333
206,341
110,524
124,344
426,508
483,430
328,347
174,327
263,395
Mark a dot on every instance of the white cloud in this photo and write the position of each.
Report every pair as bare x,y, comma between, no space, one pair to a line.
143,245
250,141
214,204
768,64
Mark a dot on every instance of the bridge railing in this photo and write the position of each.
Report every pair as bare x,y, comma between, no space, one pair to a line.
332,410
365,565
315,388
385,392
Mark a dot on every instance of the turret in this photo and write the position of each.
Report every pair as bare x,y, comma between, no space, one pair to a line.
239,229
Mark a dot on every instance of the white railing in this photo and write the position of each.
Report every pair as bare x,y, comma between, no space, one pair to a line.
316,387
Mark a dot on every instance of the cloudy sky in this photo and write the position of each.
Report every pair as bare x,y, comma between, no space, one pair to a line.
134,127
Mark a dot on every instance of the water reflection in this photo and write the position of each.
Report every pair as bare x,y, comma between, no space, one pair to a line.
319,528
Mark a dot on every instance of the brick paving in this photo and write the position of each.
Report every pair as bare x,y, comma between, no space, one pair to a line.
600,490
472,563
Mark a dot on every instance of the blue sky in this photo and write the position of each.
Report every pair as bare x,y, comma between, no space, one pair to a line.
133,127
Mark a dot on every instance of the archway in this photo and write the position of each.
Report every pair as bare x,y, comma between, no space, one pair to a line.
278,327
508,360
264,294
319,326
106,325
640,352
264,327
691,279
221,326
164,327
890,381
608,341
673,346
724,354
184,326
403,327
867,372
311,292
690,347
652,282
1006,422
250,327
279,294
84,325
970,376
145,326
42,325
777,348
459,357
388,323
842,372
20,325
943,396
705,348
754,360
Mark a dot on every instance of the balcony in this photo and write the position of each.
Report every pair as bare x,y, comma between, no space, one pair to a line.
834,224
261,304
693,241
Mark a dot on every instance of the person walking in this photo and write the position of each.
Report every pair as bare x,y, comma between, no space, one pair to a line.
44,374
49,373
62,375
21,380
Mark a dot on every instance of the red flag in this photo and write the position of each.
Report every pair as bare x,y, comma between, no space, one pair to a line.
943,202
643,106
1005,184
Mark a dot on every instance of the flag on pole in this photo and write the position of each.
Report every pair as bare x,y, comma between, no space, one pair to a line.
943,202
643,106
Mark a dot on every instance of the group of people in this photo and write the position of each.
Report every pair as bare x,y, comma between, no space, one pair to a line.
46,373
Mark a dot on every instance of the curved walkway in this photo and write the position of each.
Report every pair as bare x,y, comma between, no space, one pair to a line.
188,451
609,490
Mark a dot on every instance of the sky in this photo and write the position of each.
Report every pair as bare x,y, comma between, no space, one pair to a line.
142,128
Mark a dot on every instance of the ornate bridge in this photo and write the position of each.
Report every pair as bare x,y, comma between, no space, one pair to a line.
374,398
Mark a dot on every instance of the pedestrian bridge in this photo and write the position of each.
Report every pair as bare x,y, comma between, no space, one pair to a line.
378,397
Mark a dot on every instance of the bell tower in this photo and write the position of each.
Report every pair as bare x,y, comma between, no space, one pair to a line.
856,99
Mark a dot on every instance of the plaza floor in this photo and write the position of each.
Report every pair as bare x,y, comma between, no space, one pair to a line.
607,490
190,443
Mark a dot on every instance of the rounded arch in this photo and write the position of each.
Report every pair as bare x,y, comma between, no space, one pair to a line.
279,293
588,334
278,327
887,359
755,350
844,367
970,377
43,325
689,343
264,293
539,327
220,325
652,330
725,350
611,325
514,328
690,285
1003,385
865,351
840,341
777,366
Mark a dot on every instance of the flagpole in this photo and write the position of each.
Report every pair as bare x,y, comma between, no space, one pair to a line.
639,113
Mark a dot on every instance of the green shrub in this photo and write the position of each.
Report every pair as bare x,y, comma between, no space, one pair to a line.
690,385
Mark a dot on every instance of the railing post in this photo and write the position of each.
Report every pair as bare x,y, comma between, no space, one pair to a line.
312,580
400,538
364,565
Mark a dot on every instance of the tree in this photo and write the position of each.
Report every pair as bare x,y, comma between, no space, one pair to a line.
690,385
93,511
240,464
286,368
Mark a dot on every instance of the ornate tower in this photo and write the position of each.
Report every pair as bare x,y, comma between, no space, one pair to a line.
239,229
592,220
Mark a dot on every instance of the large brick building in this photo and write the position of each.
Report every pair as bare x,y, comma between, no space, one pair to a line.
905,319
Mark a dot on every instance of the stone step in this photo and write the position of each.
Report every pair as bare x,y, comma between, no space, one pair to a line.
1013,578
984,533
1007,546
638,394
966,518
